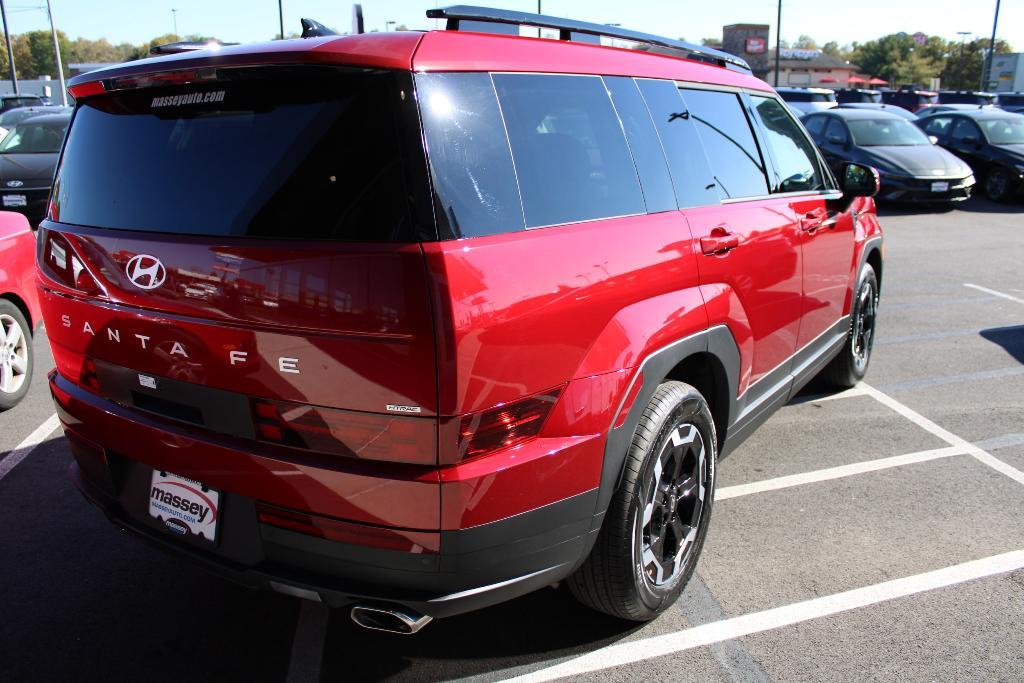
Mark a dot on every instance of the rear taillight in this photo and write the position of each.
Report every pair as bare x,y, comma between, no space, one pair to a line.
498,428
82,90
348,532
59,261
393,438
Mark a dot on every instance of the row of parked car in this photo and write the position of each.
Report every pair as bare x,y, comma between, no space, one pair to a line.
927,146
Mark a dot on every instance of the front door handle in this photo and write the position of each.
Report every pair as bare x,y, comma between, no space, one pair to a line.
812,220
720,241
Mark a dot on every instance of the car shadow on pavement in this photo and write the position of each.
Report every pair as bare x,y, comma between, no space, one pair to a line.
81,601
542,626
1010,338
983,205
907,209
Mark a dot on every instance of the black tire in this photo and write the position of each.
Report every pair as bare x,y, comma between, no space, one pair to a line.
997,184
16,359
676,441
850,366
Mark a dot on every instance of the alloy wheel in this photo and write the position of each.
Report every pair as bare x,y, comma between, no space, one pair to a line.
674,504
13,355
863,336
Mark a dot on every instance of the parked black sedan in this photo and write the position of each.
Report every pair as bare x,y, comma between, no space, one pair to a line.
990,140
28,158
912,168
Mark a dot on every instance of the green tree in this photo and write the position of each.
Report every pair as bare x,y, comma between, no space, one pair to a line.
966,75
899,60
805,42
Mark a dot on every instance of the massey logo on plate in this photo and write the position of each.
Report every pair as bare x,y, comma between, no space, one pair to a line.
185,506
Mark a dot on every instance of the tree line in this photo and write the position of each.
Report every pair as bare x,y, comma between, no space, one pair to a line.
33,52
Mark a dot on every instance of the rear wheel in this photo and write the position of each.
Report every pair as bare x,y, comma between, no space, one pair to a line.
850,366
655,526
15,355
997,184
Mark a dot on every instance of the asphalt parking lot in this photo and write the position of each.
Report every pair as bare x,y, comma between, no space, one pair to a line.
873,534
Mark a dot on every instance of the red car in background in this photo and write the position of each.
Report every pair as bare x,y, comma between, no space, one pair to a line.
19,306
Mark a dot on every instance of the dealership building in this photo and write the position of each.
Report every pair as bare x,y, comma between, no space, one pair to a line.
797,68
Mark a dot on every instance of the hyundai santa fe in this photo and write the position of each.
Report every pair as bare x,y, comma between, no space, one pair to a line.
415,323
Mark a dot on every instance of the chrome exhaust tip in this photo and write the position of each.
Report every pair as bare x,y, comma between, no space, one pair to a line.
390,620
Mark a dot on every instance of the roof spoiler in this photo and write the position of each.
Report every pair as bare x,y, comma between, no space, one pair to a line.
567,27
186,46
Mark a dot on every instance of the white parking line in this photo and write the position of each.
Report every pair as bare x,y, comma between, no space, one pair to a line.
28,445
947,436
993,292
836,472
778,617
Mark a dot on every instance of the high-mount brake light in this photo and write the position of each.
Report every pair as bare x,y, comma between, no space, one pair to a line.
498,428
393,438
162,78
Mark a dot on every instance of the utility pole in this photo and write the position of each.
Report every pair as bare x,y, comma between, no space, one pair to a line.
778,43
960,76
10,51
56,54
174,16
986,65
388,25
280,16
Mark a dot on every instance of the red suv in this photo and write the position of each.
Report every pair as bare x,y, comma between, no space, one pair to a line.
415,323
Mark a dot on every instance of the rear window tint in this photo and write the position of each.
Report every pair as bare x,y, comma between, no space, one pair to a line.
732,151
571,157
644,143
280,152
691,175
470,162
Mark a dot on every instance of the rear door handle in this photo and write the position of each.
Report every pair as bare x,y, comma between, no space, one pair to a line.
719,242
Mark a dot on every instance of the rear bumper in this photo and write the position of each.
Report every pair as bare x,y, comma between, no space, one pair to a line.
466,569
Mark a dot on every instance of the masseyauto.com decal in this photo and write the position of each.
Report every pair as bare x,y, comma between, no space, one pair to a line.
188,98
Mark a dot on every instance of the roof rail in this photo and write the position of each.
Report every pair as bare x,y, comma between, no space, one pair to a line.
566,27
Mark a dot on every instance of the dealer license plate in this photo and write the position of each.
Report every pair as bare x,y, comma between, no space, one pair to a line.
186,507
940,186
15,200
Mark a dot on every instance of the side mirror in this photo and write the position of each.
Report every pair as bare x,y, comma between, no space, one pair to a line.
932,139
859,180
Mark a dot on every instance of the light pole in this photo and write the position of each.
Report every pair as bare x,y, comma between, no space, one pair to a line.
986,65
280,16
174,16
778,42
388,23
56,53
10,52
960,77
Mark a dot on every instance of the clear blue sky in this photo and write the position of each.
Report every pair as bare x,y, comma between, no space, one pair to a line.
844,21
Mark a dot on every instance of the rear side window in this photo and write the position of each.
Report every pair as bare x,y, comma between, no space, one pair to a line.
570,153
729,140
937,125
470,161
815,125
644,143
281,152
793,154
691,175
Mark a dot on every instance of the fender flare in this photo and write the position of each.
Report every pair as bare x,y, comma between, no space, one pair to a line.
717,341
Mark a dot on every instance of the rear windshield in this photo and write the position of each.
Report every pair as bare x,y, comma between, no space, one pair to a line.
966,98
282,152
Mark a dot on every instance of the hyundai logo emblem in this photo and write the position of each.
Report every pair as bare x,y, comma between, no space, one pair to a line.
14,183
145,271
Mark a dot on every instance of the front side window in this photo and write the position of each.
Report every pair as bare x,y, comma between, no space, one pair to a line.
732,151
964,130
815,125
794,155
570,153
938,126
836,133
